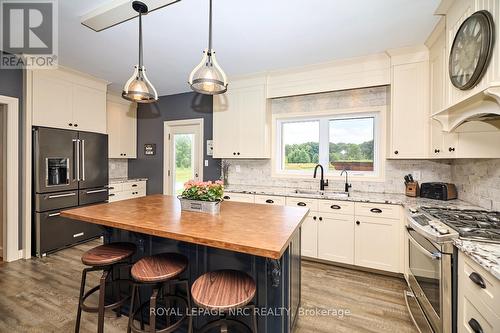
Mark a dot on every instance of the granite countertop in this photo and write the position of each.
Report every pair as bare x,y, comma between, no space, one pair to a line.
125,180
487,255
383,198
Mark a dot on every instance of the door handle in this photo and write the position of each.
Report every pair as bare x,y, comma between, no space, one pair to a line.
477,279
83,160
55,196
96,191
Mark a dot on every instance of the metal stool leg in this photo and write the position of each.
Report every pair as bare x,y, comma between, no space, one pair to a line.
142,314
152,311
131,311
79,311
189,309
102,289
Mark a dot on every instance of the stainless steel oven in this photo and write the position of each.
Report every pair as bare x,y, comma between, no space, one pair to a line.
430,274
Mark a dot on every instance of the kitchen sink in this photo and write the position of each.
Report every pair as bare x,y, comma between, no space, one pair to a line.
334,194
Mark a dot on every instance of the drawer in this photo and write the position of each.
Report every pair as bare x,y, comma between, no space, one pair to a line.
377,210
312,204
475,317
113,188
468,272
270,200
133,186
50,201
336,206
239,197
124,195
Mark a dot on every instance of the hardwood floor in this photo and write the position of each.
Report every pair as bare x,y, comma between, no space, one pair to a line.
40,295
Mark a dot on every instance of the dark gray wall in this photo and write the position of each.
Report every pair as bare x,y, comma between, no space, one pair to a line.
150,118
11,84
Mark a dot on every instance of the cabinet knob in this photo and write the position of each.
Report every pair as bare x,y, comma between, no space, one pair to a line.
436,151
124,154
320,218
314,218
238,153
70,124
396,152
451,149
358,223
234,153
76,125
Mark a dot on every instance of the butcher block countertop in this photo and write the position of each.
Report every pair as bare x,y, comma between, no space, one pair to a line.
261,230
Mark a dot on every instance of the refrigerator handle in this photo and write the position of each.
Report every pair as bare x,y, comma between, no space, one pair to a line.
83,159
78,160
75,159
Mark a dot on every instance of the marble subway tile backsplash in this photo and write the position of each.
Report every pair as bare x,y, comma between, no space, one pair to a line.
258,173
478,181
118,167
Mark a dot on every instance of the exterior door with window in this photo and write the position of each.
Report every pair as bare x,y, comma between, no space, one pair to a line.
183,160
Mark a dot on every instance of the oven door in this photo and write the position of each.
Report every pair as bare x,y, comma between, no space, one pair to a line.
425,277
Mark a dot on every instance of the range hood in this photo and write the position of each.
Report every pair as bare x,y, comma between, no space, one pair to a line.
482,106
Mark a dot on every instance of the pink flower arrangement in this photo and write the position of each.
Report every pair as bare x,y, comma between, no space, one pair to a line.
205,191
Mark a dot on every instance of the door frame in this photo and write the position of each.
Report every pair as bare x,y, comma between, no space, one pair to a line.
167,125
10,242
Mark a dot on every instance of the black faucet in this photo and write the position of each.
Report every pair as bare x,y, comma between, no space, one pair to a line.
347,185
322,181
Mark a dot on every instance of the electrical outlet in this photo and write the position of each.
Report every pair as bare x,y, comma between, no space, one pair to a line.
237,168
417,175
206,162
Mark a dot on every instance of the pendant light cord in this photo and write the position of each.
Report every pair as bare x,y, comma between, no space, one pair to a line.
140,40
210,29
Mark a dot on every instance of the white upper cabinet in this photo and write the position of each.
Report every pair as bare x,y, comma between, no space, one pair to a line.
408,131
242,121
66,99
122,127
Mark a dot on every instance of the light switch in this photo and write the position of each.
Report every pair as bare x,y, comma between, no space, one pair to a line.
206,162
210,148
237,168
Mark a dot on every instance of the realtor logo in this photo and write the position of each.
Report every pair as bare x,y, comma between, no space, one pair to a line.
28,34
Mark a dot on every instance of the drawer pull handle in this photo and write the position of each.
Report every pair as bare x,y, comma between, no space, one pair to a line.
376,210
55,196
54,214
111,195
111,188
134,185
477,279
475,326
78,235
335,207
227,197
301,204
96,191
269,201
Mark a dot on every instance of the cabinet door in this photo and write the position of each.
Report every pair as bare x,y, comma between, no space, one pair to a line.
128,130
377,243
253,124
114,115
309,236
89,109
410,111
52,101
225,125
336,238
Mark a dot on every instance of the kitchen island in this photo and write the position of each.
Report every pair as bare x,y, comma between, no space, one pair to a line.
261,240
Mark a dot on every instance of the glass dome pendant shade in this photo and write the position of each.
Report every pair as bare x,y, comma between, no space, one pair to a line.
138,88
208,77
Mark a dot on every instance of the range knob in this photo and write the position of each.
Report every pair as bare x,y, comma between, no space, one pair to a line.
443,230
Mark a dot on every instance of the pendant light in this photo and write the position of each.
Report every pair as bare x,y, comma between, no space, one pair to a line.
138,88
208,78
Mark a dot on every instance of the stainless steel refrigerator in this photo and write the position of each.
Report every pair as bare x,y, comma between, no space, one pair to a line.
70,169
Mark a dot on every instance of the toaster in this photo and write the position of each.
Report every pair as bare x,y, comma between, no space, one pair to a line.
438,191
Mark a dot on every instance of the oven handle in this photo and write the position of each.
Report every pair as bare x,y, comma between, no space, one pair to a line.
432,255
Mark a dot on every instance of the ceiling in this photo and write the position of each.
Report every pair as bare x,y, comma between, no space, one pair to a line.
249,36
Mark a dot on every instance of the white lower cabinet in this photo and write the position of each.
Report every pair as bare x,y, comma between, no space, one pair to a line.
239,197
269,200
336,238
309,236
377,243
127,190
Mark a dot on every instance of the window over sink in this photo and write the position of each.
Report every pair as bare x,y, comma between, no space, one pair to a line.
337,141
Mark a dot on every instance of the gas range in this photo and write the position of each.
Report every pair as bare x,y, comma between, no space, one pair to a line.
480,225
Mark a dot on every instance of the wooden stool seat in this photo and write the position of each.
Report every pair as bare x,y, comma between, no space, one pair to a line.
223,290
108,254
159,267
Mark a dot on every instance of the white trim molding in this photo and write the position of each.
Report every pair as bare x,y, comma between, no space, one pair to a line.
167,126
11,226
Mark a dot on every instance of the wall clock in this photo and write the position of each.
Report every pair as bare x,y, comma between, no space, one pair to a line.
471,50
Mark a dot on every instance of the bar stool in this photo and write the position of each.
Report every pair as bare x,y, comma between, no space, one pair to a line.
104,258
225,291
161,271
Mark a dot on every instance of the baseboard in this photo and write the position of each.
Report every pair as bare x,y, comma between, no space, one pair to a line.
354,267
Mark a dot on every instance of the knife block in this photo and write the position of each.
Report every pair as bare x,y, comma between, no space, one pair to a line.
412,189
